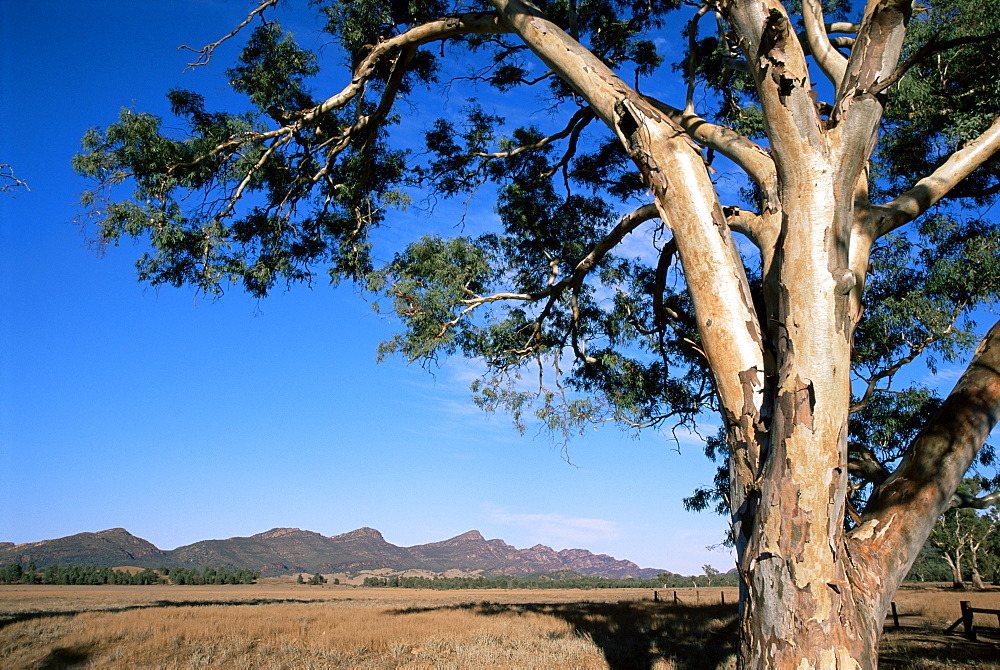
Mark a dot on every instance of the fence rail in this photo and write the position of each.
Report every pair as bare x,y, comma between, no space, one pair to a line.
968,619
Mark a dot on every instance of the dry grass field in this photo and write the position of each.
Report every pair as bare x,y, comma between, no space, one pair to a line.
284,625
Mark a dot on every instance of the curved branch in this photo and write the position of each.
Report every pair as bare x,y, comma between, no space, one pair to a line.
830,61
929,190
967,500
8,181
750,156
842,27
432,31
745,222
581,117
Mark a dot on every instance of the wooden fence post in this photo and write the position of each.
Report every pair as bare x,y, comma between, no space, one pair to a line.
968,620
895,616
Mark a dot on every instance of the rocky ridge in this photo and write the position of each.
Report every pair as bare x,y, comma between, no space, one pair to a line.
287,550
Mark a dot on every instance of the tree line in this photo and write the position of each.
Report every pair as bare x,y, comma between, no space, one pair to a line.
561,580
15,573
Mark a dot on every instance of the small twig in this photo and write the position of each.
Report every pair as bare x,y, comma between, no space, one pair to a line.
206,52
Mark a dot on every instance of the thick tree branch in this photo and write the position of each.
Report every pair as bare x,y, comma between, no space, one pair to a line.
433,31
777,61
692,52
929,190
903,510
749,155
857,111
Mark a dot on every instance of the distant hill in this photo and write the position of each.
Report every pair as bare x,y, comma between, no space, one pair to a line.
284,550
109,547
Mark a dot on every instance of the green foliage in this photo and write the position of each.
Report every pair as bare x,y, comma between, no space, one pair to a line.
11,573
76,574
273,69
565,579
284,190
427,282
946,98
209,575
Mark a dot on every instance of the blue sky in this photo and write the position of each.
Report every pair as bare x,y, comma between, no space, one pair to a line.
184,419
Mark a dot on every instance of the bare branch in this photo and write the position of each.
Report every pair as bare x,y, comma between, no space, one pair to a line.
556,288
206,52
745,222
830,61
929,190
692,51
582,116
842,27
8,181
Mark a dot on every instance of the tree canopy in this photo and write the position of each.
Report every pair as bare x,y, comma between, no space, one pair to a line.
761,211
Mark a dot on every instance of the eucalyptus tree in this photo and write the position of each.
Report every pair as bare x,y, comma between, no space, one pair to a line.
626,269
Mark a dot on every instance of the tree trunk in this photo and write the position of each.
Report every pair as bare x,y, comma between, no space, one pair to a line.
812,595
977,579
955,563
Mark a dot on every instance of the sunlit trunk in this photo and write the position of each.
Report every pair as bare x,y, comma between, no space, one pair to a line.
802,608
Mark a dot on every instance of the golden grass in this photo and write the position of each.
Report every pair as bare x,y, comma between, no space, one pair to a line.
293,635
281,625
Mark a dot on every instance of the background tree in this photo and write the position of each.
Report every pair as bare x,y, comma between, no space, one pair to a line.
614,275
962,532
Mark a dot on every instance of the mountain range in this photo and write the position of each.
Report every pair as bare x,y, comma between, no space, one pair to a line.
287,550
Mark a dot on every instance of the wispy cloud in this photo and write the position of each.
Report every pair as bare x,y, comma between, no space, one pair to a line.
557,529
942,380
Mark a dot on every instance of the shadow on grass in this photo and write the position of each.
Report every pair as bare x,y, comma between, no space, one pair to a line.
65,657
636,634
923,647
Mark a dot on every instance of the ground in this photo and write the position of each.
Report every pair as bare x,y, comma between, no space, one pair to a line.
279,624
